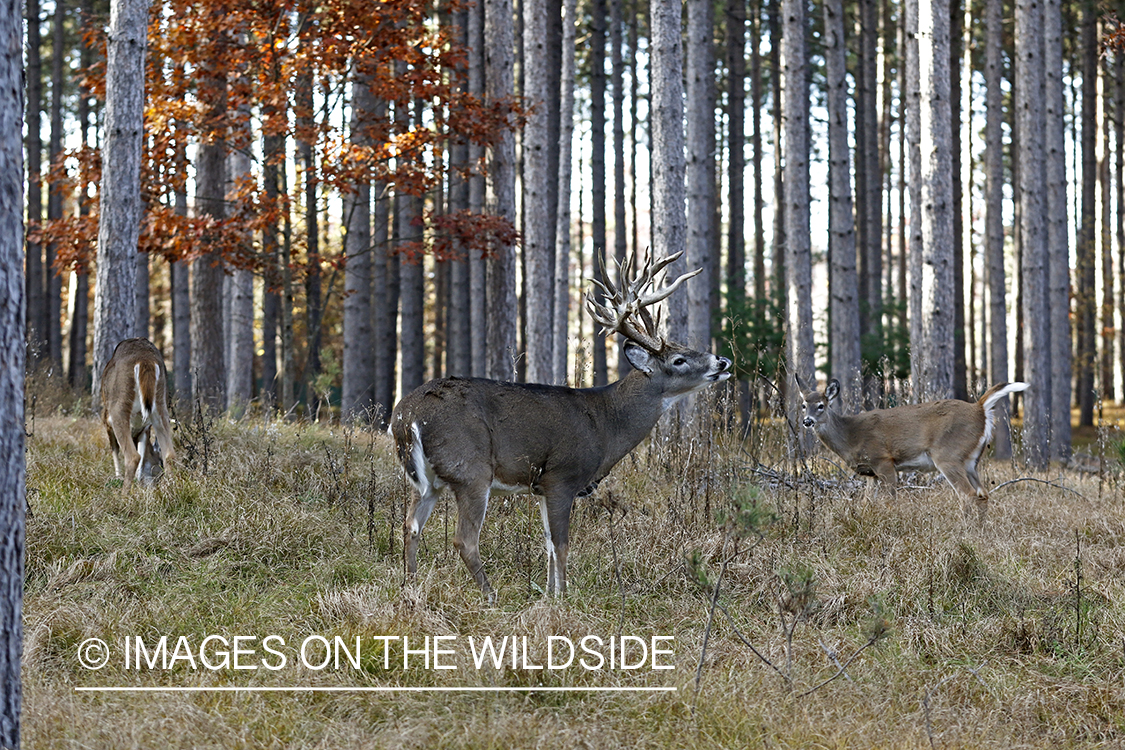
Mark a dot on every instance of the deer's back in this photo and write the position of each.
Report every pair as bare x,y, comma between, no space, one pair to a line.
904,432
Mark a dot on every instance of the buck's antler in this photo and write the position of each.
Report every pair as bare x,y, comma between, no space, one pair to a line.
624,311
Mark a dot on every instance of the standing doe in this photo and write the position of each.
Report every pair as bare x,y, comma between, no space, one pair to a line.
134,403
481,436
948,435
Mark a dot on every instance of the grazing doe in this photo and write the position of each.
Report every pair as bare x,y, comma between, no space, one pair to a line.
134,398
948,435
481,437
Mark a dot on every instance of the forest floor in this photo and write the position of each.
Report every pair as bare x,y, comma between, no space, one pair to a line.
271,541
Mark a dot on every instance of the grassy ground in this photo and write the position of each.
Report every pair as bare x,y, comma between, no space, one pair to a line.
1006,634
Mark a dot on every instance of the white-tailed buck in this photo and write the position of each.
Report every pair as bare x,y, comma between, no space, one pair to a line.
134,398
480,437
948,436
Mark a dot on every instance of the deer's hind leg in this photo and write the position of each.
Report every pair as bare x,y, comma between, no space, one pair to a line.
472,504
965,481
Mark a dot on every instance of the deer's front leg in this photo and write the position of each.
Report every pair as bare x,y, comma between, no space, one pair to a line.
554,509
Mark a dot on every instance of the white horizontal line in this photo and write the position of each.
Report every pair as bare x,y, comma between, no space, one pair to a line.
378,689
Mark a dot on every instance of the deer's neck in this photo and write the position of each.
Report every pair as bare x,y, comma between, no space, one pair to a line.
630,408
835,432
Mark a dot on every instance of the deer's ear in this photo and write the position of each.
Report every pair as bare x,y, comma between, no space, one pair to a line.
832,392
639,357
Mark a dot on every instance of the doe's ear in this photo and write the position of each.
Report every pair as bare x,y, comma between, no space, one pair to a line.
832,392
639,357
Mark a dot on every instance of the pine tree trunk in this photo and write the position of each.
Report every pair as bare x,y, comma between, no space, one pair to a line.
798,249
915,249
208,375
34,285
240,324
1107,311
669,221
80,295
1033,229
538,245
120,194
844,304
700,137
1086,318
478,285
620,239
936,207
956,25
779,274
501,269
358,367
12,352
562,227
53,285
597,172
1058,233
994,217
459,349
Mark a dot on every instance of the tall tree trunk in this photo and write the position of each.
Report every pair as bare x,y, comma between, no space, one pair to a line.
620,240
735,312
273,148
357,386
562,227
1107,311
1087,238
384,313
956,26
798,245
597,171
756,118
700,156
53,280
306,139
478,285
1119,181
669,222
460,355
994,216
208,376
34,285
1058,233
240,284
1033,229
778,250
844,304
915,249
538,247
12,351
80,293
120,194
936,207
870,209
501,268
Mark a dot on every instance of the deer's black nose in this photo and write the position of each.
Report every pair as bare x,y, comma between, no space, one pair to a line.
809,421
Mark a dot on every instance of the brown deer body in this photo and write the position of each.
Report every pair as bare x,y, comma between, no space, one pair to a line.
481,437
134,397
949,436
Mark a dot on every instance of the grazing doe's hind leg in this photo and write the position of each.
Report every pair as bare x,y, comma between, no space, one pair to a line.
472,504
958,476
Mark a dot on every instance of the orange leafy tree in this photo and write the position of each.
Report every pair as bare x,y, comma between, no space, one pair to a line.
262,47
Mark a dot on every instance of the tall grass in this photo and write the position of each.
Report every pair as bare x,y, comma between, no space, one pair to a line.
1006,634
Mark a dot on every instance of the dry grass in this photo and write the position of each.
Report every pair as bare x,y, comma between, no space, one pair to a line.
1006,635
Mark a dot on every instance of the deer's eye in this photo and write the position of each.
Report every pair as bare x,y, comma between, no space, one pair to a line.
678,361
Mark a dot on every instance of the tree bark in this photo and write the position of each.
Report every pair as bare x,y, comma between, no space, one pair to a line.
1033,229
620,239
53,280
501,268
538,247
34,287
938,313
357,387
1086,318
669,221
120,194
597,172
798,247
844,304
1058,233
12,352
700,169
240,325
994,217
562,227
